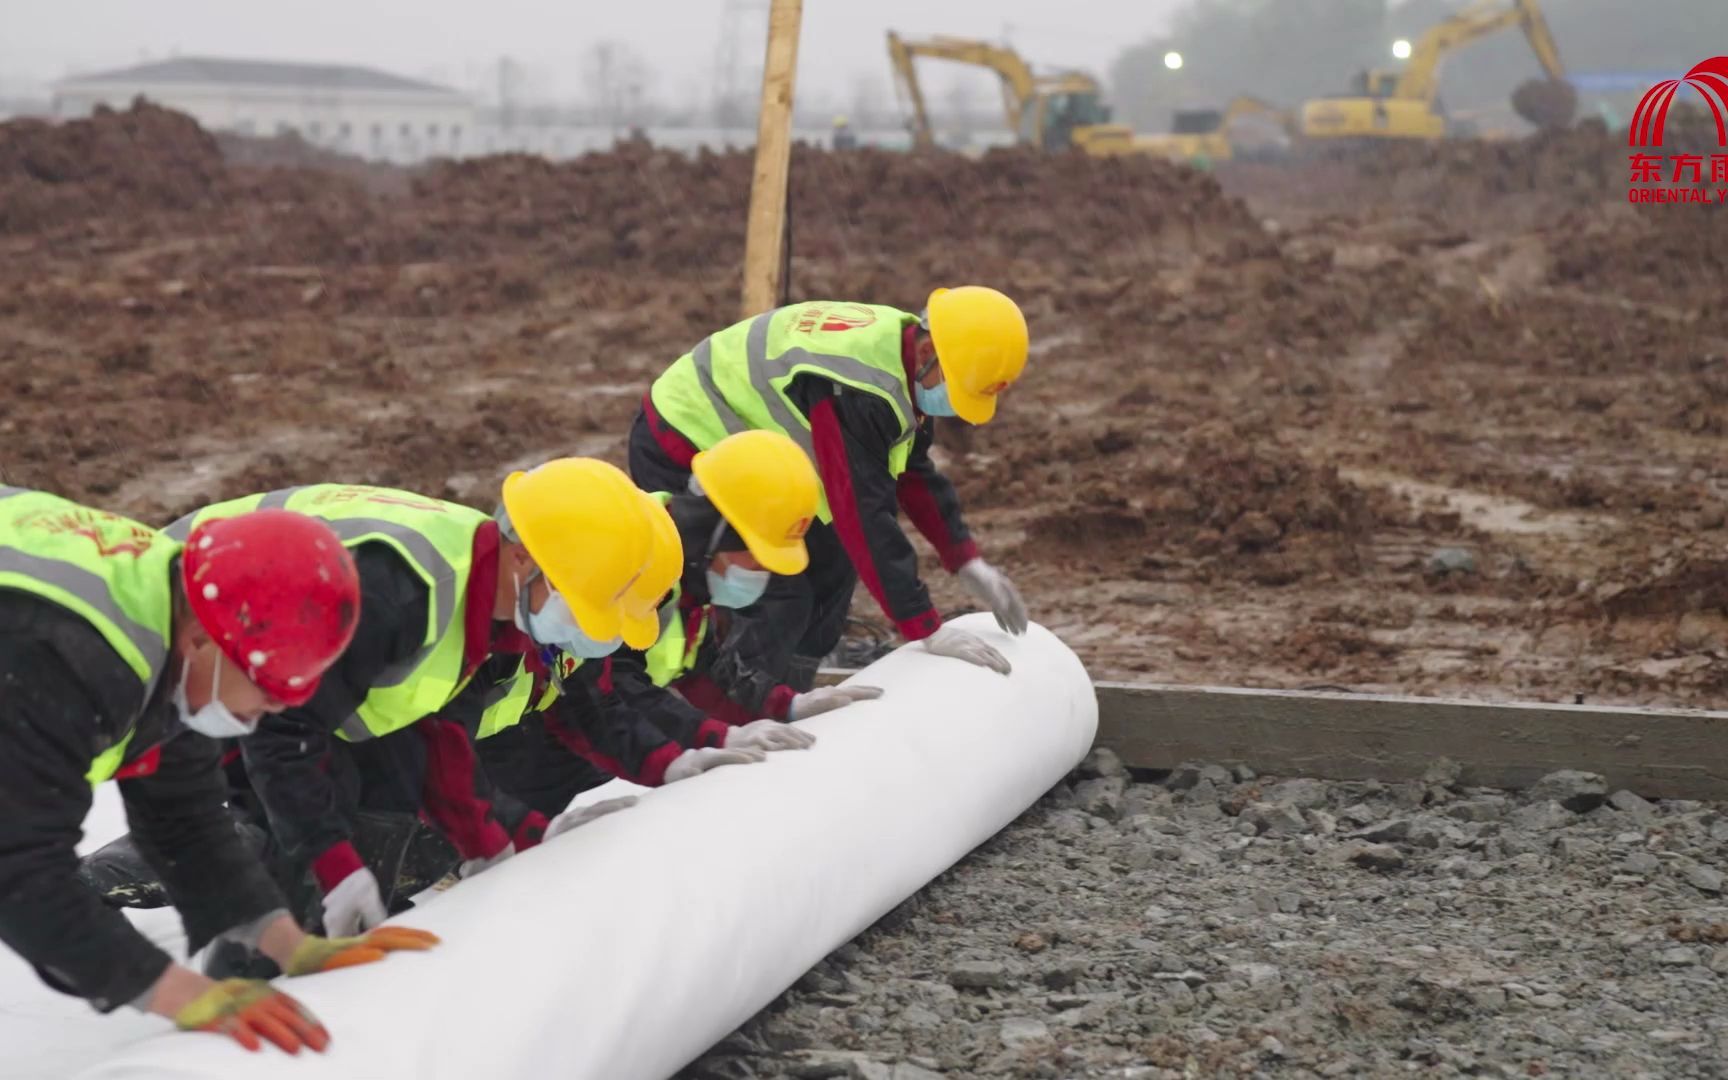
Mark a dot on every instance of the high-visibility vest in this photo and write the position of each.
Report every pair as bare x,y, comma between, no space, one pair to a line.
436,540
561,666
736,379
113,573
674,652
507,702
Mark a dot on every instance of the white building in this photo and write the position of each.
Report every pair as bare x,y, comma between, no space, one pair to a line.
354,110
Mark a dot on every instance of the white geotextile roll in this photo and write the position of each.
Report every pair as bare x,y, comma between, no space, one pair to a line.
625,948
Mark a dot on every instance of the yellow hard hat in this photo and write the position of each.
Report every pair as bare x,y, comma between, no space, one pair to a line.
665,566
765,487
981,340
584,525
840,121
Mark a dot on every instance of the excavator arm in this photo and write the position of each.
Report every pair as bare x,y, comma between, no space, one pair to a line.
906,81
1421,78
1547,104
1541,41
1018,84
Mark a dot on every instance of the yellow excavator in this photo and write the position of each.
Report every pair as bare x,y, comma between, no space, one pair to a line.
1052,112
1066,109
1204,136
1405,104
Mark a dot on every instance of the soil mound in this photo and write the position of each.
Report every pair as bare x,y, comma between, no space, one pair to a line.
140,161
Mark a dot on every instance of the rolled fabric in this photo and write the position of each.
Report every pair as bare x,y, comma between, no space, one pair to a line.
626,947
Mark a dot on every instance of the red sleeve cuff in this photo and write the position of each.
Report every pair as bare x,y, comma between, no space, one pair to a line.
959,555
334,866
919,627
653,772
531,831
711,732
778,703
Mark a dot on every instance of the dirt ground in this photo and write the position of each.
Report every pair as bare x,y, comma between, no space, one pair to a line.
1443,422
1440,421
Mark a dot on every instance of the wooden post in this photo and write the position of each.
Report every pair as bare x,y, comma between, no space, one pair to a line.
767,222
1658,753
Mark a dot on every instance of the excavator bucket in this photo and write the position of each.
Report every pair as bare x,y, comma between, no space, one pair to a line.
1550,104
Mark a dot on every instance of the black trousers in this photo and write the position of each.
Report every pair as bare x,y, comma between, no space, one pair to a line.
812,606
378,790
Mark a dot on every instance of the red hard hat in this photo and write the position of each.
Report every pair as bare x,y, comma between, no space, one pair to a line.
278,592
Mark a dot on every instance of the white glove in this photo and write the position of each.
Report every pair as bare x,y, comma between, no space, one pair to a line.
991,587
582,815
696,762
354,905
961,644
829,698
768,735
474,866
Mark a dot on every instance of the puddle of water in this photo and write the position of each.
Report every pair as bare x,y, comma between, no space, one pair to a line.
1491,513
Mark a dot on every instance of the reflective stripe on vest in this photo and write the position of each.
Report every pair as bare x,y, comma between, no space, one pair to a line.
765,369
763,372
108,762
430,677
505,703
671,656
113,573
147,654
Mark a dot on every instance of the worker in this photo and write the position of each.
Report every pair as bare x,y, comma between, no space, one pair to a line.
855,386
743,520
453,599
125,656
843,137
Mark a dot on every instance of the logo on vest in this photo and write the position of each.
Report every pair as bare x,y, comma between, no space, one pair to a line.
111,533
349,493
833,318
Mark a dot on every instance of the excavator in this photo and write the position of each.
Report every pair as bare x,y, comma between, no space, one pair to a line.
1204,136
1405,104
1052,112
1066,109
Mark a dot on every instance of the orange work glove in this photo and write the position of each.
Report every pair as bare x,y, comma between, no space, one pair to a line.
317,954
244,1009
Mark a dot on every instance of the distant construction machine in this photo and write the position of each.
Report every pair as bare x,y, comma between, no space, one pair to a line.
1405,104
1052,112
1066,109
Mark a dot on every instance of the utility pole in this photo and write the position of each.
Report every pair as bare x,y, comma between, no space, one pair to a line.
764,242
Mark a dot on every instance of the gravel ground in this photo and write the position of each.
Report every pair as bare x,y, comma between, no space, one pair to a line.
1214,923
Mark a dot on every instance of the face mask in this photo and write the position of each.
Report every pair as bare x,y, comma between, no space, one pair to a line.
933,400
214,719
738,587
555,625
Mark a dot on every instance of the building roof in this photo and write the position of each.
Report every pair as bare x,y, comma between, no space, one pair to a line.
200,69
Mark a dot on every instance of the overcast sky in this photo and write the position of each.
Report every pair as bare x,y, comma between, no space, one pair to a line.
456,41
